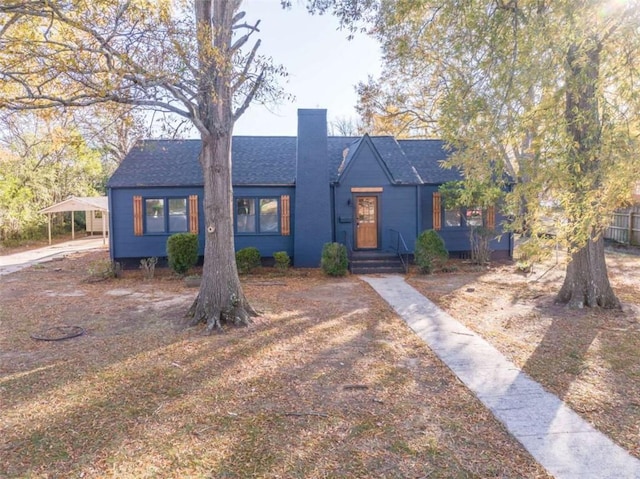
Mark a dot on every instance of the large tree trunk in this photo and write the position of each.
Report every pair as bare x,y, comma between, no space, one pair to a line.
221,297
586,282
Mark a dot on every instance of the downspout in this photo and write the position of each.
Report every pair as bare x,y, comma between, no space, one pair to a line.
334,226
104,227
110,218
418,212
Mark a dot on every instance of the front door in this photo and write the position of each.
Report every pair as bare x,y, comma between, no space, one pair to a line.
366,222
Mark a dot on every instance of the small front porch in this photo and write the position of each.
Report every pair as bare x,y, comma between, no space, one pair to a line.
376,262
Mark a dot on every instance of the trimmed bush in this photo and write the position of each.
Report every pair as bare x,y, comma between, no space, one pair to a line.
430,253
282,260
247,259
334,260
182,252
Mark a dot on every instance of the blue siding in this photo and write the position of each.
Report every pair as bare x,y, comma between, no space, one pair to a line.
398,204
267,243
124,244
457,239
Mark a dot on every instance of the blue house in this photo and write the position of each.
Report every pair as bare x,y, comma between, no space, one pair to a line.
374,194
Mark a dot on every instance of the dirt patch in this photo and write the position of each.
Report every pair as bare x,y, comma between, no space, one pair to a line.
328,382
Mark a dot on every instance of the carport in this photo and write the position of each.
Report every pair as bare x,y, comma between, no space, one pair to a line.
77,203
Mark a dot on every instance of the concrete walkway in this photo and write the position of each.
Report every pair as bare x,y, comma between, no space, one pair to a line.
15,262
567,446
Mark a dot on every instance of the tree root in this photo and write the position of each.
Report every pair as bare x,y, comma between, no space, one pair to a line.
238,315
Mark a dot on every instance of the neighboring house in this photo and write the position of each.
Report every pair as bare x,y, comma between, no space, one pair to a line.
294,194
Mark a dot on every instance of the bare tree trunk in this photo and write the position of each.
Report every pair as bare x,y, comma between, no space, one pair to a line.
586,282
221,297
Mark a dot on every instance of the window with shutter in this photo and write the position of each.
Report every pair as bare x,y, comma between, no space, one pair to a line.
137,216
285,215
491,217
193,214
437,211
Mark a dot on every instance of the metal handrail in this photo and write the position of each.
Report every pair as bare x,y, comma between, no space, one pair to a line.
401,242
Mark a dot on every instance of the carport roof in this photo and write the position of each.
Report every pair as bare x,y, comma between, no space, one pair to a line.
77,203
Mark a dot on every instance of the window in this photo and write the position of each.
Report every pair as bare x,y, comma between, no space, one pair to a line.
265,221
154,212
177,215
452,218
268,215
165,215
474,217
246,215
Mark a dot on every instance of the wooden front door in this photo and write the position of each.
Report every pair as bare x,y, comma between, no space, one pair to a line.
366,222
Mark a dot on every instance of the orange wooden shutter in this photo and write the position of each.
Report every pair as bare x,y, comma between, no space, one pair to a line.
437,211
193,214
285,215
491,217
137,216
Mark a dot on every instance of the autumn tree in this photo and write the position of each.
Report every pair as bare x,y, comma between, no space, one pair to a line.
196,60
43,160
542,91
113,129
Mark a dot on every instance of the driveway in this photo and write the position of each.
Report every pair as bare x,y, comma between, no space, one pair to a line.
15,262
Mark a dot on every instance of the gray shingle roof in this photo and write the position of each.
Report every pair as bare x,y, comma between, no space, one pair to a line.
426,157
271,160
160,163
396,160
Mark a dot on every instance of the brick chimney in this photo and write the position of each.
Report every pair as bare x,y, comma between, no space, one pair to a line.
312,199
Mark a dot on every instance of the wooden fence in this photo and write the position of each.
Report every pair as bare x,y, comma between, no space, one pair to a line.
625,226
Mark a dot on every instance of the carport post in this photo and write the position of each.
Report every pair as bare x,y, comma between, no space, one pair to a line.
104,228
73,227
49,226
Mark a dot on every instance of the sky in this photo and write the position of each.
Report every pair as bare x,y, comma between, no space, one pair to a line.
324,67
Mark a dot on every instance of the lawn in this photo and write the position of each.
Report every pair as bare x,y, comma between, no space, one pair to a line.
328,382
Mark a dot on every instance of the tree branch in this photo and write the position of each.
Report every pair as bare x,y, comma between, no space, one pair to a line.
249,98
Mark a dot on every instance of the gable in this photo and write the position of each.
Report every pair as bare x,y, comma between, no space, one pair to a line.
362,165
376,160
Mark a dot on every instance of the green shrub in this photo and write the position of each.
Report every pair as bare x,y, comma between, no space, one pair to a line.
334,260
247,259
430,253
282,260
182,251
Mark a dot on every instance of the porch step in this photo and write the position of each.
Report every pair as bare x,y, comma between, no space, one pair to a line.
375,263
